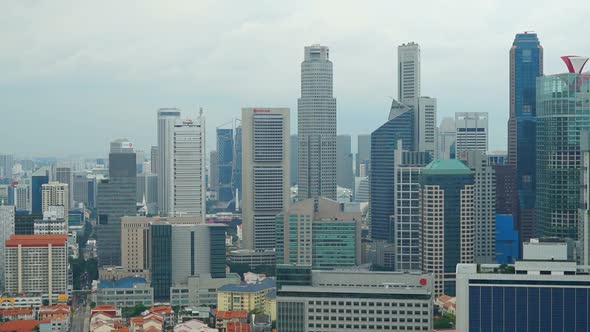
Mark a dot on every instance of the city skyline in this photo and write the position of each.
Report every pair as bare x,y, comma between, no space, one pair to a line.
49,77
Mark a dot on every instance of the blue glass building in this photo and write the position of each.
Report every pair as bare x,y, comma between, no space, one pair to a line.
384,142
507,244
225,153
37,182
526,64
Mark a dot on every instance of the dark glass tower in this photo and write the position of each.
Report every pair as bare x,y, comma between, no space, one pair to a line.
116,197
384,142
225,154
37,181
526,64
161,252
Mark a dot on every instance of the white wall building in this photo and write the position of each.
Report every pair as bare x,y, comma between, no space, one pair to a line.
167,118
55,194
22,197
472,132
446,136
265,173
7,215
408,60
426,125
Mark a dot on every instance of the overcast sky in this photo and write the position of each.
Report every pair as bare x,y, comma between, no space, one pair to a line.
75,75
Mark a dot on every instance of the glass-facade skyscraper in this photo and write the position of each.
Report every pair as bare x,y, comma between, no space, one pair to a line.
225,154
563,111
384,142
526,64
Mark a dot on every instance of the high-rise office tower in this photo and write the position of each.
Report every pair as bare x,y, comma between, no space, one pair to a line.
6,163
22,197
363,154
122,145
526,64
167,118
446,139
139,160
265,174
115,198
563,112
188,192
7,218
344,173
64,175
147,188
426,125
55,194
81,188
237,164
213,171
472,132
384,141
448,214
293,159
485,206
38,179
154,154
407,219
316,125
408,60
584,211
225,154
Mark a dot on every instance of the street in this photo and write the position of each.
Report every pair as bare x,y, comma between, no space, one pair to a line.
81,312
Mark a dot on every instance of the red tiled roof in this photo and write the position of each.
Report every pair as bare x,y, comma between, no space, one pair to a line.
238,327
105,307
19,326
58,240
444,298
231,314
161,309
16,311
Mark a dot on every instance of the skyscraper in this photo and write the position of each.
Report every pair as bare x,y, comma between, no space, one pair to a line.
55,194
7,221
384,141
408,60
446,139
38,179
167,118
293,159
344,173
485,206
448,214
225,154
265,173
472,132
22,197
64,175
213,171
188,192
526,64
6,163
363,155
237,164
316,125
407,219
116,197
563,112
426,122
154,154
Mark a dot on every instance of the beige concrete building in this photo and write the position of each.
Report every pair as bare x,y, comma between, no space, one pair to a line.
55,194
265,173
135,240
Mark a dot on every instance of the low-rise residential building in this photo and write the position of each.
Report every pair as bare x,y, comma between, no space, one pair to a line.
17,314
59,323
165,312
190,313
27,325
125,292
193,326
244,296
357,301
54,311
223,318
200,290
148,323
446,304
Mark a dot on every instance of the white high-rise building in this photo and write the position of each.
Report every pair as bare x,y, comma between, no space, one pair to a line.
485,206
446,138
408,59
265,174
7,215
426,134
188,193
22,197
472,132
167,118
64,175
55,194
316,125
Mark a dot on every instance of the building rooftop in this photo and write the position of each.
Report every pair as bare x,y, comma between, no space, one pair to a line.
37,240
127,282
447,166
249,288
19,325
236,314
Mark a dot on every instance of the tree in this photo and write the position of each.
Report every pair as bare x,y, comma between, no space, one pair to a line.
133,312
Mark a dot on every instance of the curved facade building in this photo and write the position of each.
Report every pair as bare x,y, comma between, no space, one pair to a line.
563,111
